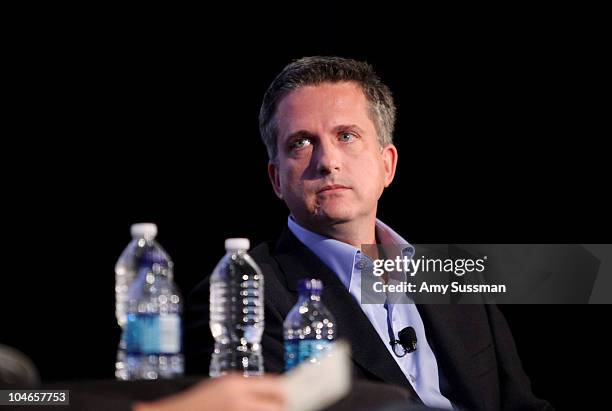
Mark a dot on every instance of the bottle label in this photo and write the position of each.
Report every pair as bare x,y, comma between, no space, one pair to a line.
170,334
131,333
292,352
297,351
148,327
152,334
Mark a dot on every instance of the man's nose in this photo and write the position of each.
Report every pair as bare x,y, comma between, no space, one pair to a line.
327,158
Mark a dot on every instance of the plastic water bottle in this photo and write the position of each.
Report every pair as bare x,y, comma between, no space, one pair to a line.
153,328
237,312
126,270
309,327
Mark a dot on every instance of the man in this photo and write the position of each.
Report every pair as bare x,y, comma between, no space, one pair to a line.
327,123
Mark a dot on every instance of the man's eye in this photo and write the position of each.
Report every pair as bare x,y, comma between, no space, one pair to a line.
300,143
347,137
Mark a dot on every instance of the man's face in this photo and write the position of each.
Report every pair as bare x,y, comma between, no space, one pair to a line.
330,167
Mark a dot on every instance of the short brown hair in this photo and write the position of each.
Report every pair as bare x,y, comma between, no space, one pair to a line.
316,70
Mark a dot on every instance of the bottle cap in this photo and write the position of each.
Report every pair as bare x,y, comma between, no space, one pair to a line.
237,244
148,230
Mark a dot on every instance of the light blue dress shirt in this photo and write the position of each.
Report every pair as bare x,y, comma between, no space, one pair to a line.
419,367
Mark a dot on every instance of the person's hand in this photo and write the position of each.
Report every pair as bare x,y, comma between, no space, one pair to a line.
227,393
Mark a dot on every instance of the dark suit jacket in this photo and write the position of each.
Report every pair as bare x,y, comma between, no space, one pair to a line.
472,343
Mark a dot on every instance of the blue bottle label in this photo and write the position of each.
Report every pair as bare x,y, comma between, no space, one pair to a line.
132,343
152,334
291,354
297,351
148,327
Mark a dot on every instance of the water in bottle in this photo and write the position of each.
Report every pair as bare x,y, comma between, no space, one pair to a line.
309,327
126,270
237,312
153,328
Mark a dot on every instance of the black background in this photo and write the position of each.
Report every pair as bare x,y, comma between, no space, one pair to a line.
117,116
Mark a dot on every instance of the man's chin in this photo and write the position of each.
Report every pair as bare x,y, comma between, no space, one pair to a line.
332,216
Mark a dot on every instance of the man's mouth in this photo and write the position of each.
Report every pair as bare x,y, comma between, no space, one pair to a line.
332,188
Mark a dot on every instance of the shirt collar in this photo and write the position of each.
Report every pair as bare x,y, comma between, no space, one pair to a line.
340,257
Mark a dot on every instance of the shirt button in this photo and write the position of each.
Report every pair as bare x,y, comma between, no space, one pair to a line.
412,378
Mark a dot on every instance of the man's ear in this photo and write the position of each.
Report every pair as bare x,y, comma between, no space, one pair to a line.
389,153
275,179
